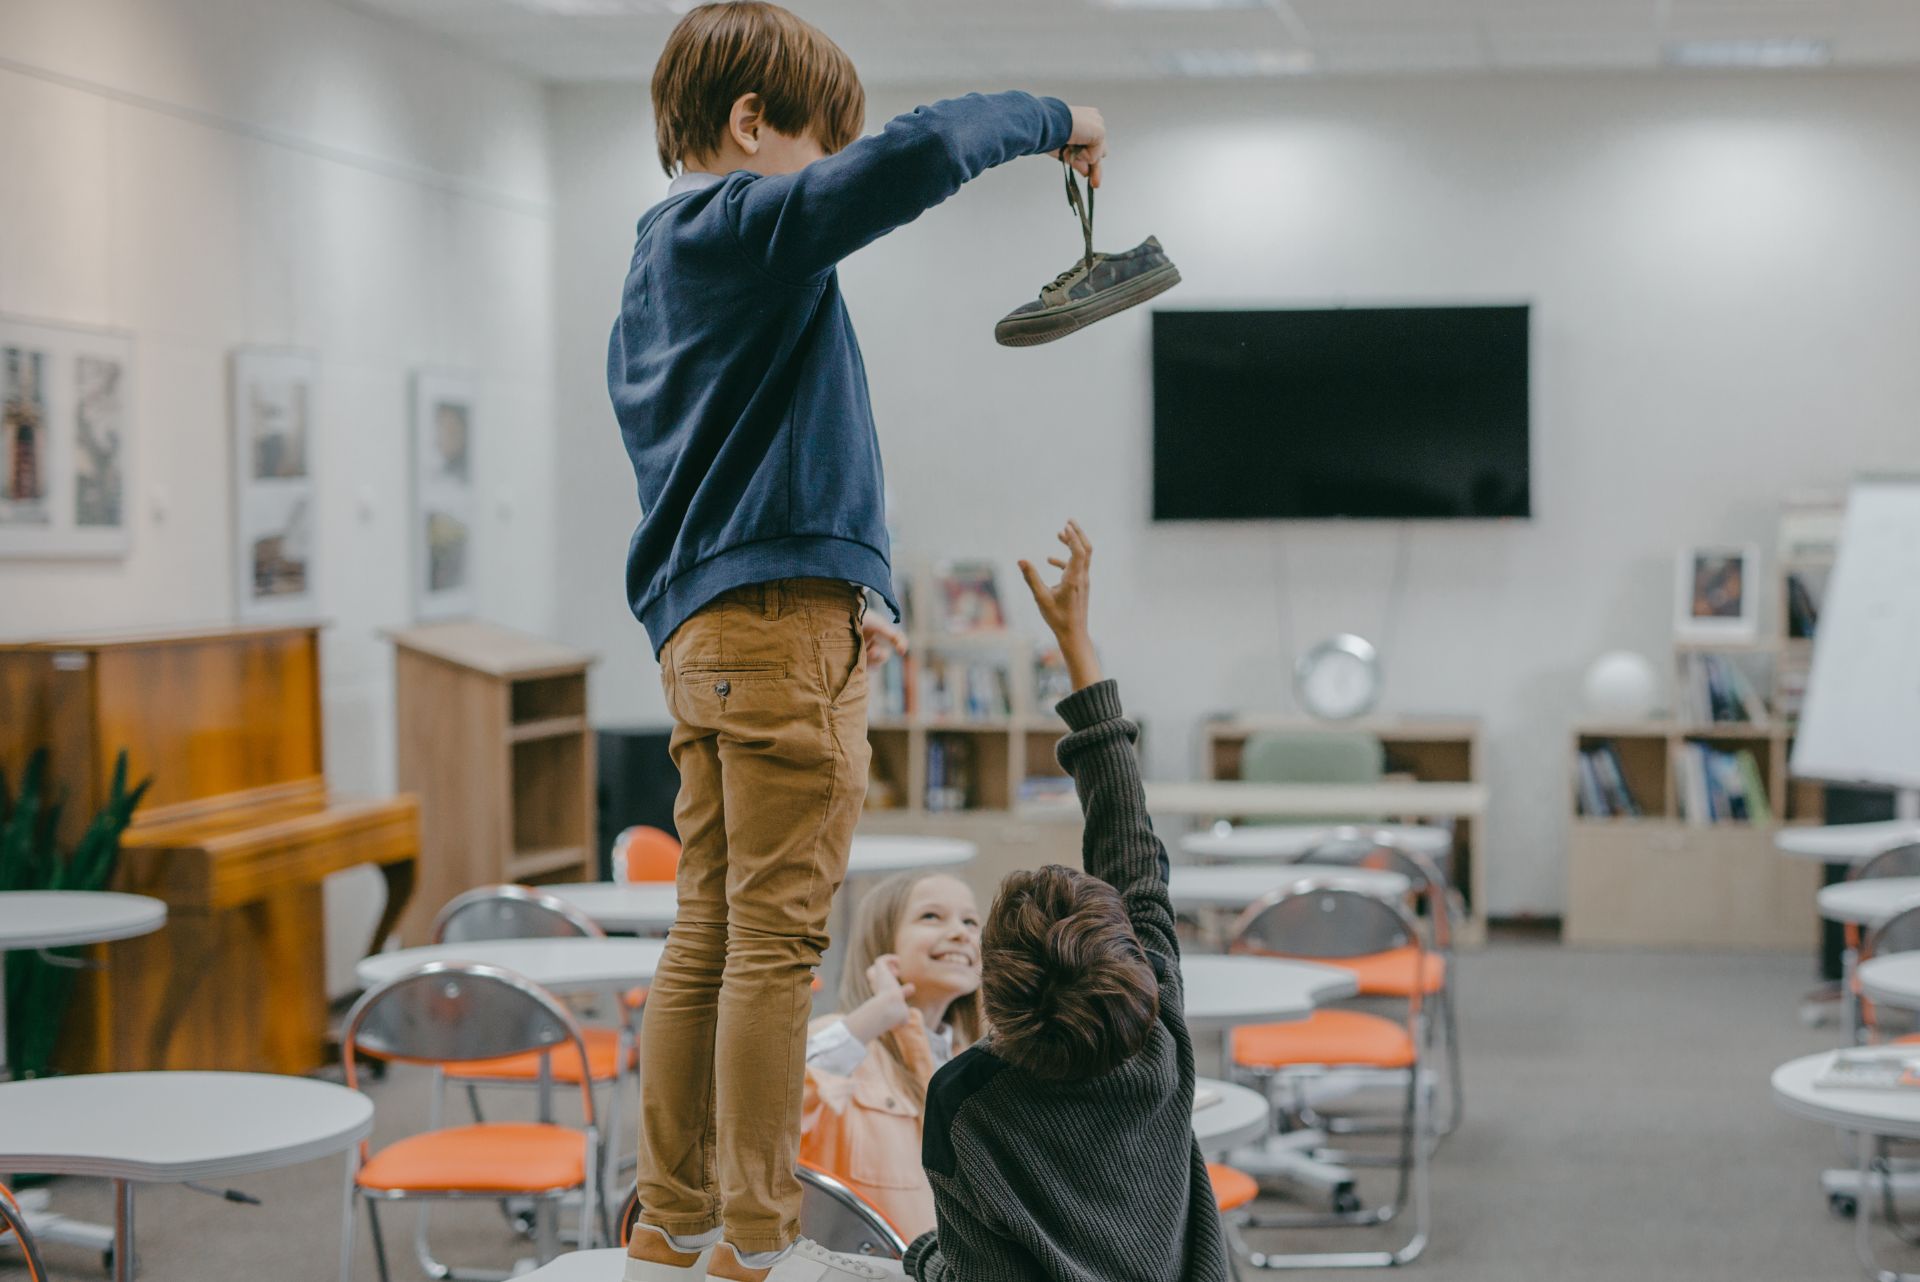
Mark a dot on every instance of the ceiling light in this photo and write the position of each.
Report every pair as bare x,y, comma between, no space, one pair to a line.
1221,64
1781,52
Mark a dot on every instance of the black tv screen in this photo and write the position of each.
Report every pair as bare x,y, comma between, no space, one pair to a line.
1383,412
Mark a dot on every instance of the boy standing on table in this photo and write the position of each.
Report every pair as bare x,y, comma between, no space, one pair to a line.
1061,1147
743,402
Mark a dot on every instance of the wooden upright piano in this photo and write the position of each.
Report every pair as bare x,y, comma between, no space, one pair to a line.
235,834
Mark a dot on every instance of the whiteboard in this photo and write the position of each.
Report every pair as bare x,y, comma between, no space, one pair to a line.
1861,719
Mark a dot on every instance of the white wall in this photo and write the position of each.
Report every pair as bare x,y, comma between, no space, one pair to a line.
207,174
1723,270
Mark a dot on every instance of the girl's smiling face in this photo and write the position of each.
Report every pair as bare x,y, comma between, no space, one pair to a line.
937,943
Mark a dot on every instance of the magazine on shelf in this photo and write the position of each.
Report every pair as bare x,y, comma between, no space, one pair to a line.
969,597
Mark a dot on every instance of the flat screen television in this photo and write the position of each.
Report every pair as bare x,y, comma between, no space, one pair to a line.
1368,412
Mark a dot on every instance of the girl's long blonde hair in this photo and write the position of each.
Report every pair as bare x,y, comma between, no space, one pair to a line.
876,925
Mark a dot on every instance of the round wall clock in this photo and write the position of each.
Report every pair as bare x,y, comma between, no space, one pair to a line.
1339,679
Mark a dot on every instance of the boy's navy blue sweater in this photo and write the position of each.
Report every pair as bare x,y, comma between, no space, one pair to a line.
734,369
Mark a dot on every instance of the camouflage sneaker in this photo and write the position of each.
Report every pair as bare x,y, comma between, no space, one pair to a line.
1097,286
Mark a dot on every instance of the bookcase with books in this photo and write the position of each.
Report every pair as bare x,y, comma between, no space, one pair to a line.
1671,843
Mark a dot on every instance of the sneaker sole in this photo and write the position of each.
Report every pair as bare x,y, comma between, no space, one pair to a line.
1031,331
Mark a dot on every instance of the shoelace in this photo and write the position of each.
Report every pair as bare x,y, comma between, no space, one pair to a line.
850,1263
1082,207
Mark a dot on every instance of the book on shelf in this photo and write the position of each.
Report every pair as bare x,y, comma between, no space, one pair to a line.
955,690
949,773
894,689
969,597
1803,612
1719,787
1719,690
1603,789
1051,682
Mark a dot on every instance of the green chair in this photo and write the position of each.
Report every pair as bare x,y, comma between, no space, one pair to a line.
1312,756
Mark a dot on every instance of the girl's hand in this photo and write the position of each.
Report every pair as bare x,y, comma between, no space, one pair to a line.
883,639
888,1008
1064,605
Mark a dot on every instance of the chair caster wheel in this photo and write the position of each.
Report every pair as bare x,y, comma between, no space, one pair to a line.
1346,1201
1844,1206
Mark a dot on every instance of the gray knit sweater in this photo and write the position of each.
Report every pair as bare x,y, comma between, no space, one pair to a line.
1095,1181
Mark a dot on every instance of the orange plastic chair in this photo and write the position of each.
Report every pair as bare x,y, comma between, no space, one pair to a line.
648,854
14,1220
1317,921
450,1013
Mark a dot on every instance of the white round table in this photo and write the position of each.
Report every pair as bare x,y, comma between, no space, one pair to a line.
875,855
63,918
557,965
1846,843
1892,980
1870,1115
1225,992
1226,844
173,1127
1236,887
635,907
1868,903
1234,1117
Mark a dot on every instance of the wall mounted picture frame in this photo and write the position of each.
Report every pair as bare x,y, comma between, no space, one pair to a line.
1716,595
66,440
445,506
276,504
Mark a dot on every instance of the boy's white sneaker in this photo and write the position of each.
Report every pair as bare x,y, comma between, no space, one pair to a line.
652,1258
808,1261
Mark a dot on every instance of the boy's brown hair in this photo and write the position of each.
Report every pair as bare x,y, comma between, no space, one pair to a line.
1068,988
718,52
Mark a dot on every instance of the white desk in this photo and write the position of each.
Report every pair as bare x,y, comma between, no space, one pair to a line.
1318,801
1228,844
172,1127
637,907
1868,903
1234,888
1892,980
871,856
1224,993
1846,843
557,965
1870,1115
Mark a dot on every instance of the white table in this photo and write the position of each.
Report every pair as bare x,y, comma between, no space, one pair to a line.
1892,980
1318,801
872,856
173,1127
1846,843
1225,843
1224,993
1234,888
1870,1115
1868,903
557,965
637,907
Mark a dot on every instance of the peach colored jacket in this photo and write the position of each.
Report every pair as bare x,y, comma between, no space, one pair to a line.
865,1131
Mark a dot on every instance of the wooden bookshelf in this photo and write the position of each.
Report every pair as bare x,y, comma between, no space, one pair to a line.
1437,750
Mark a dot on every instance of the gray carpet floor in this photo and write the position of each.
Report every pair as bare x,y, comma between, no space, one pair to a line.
1619,1126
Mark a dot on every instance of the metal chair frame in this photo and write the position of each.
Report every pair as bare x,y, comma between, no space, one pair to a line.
1359,847
821,1193
14,1220
1413,1185
545,1203
1895,861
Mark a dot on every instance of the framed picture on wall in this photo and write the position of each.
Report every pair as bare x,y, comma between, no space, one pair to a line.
276,509
1716,594
66,440
445,506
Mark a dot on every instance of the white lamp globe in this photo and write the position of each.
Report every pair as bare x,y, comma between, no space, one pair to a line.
1622,686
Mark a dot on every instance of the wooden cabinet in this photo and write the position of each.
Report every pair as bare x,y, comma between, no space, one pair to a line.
494,741
1657,883
236,834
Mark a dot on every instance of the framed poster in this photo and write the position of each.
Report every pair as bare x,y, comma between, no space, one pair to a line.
66,440
444,505
1716,594
275,496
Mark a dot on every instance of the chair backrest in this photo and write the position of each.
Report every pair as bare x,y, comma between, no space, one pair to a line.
1900,933
1360,847
1898,861
1311,919
510,912
642,853
451,1011
13,1220
830,1213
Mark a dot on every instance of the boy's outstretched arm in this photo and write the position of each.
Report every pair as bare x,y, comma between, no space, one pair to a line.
799,225
1119,845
